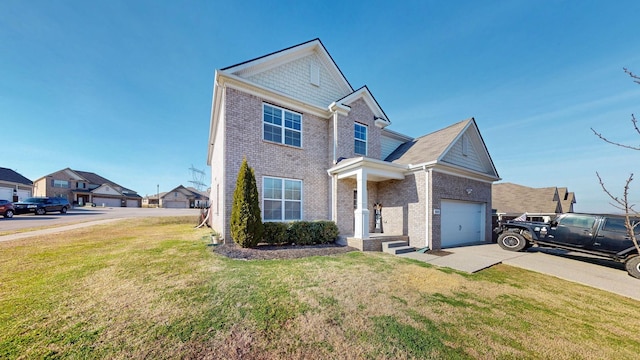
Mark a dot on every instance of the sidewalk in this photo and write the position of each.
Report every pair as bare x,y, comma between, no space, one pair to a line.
56,230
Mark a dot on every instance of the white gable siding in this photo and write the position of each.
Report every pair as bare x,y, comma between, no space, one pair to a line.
294,79
389,145
471,160
106,190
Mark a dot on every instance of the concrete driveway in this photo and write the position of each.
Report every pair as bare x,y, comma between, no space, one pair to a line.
580,268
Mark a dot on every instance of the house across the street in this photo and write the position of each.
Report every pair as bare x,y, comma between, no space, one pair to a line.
83,187
14,186
178,198
322,150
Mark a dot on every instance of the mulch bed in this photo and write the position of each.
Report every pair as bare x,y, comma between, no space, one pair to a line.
270,252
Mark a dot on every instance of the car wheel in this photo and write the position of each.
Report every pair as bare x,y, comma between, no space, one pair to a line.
633,266
40,211
8,214
512,241
63,210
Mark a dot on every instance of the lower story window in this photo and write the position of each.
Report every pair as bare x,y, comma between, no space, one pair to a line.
282,199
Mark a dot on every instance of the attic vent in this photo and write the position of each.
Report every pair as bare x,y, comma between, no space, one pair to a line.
314,75
465,145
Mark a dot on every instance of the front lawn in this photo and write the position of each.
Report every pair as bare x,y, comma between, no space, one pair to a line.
153,288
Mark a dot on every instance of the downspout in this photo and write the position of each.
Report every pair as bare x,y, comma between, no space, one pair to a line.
223,180
335,137
334,178
427,239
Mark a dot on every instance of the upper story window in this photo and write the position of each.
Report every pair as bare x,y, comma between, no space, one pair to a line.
360,135
282,199
281,126
61,183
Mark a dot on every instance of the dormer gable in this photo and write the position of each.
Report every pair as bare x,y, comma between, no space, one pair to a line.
380,118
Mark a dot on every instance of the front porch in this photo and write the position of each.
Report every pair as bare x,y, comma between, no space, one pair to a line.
374,242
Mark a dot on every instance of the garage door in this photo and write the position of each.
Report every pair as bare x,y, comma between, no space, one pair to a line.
6,194
462,223
175,204
23,194
106,202
132,203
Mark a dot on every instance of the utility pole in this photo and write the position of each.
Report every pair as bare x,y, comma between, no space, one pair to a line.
158,193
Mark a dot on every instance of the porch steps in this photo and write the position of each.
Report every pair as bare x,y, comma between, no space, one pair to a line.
397,247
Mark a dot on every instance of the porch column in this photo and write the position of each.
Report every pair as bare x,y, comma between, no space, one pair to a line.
361,213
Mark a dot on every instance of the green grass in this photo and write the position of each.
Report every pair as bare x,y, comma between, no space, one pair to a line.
153,288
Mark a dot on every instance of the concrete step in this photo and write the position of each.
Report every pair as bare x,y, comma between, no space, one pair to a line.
391,244
401,250
397,247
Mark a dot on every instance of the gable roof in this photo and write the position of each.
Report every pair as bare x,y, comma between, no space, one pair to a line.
364,93
509,198
94,179
427,148
276,58
437,148
187,191
9,175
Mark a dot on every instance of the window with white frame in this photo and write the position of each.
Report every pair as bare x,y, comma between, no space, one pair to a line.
61,183
281,199
360,135
281,126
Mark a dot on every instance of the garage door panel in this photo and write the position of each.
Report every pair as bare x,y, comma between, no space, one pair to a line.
6,194
462,223
174,204
106,202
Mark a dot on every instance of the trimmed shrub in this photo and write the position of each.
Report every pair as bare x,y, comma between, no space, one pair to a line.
275,233
299,233
246,222
309,233
327,231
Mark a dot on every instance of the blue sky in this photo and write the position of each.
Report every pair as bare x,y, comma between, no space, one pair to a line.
123,88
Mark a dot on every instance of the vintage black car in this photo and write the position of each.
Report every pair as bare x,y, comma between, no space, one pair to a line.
601,235
41,205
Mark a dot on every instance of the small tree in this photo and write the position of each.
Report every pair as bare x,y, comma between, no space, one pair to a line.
622,203
246,223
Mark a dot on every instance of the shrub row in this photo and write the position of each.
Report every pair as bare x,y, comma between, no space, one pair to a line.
300,232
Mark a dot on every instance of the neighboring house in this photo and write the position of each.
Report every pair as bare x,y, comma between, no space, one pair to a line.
538,204
151,200
179,197
321,150
13,186
83,187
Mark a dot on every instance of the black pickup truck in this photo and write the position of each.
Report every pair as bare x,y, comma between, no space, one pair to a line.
601,235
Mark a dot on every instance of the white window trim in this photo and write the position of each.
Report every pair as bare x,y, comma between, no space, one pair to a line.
282,127
283,200
366,141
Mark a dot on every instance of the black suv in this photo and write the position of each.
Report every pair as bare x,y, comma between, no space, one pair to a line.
601,235
41,205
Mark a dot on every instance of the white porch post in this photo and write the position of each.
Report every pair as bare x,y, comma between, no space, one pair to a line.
361,213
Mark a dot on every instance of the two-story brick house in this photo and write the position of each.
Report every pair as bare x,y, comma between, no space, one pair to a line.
321,150
83,187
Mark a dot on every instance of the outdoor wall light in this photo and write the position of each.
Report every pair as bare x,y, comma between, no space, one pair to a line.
469,191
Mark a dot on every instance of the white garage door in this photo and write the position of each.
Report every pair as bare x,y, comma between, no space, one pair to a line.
132,203
175,204
6,194
106,202
23,194
462,223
